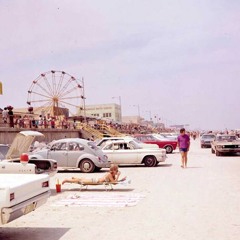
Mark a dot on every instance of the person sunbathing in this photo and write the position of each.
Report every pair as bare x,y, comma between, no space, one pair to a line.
111,177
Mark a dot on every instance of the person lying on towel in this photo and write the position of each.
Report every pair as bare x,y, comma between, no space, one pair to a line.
111,177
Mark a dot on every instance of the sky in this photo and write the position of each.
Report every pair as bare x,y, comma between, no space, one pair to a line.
176,60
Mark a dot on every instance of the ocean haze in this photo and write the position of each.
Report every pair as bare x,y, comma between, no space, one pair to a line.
177,60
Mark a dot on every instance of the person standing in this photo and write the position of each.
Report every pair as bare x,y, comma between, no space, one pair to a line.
10,115
5,115
184,145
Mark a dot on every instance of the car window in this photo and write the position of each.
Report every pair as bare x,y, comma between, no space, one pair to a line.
108,147
150,138
4,150
92,145
74,146
59,146
134,145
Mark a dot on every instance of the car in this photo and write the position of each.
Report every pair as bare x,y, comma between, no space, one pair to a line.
170,135
21,193
102,142
206,139
73,153
162,142
225,144
21,144
129,152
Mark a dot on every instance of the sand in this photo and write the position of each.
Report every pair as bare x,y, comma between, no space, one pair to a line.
200,202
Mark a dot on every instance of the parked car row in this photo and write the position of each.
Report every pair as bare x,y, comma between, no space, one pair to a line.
221,144
88,156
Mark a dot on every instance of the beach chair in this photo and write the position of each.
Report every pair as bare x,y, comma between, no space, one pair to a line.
107,185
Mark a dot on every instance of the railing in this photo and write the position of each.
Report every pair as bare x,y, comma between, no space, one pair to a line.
111,131
92,131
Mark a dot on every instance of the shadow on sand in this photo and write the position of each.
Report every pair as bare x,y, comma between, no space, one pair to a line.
23,233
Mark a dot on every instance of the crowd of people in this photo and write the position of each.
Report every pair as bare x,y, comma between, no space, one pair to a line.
32,121
27,121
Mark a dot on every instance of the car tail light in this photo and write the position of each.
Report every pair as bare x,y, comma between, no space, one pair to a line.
12,196
55,165
45,184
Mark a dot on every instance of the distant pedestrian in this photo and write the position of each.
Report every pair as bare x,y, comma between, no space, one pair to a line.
5,115
184,145
74,124
10,115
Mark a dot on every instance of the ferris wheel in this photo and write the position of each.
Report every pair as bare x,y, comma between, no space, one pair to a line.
56,93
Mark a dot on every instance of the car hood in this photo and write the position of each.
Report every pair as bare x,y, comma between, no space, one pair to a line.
235,142
22,143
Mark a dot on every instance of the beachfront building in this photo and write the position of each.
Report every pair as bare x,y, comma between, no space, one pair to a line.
132,119
110,112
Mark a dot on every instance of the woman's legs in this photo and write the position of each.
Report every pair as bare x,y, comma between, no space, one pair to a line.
72,180
184,159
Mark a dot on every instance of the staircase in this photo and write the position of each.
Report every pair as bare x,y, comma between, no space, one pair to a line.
110,131
89,132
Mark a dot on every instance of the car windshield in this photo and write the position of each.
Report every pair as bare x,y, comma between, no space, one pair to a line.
160,137
226,138
135,145
208,136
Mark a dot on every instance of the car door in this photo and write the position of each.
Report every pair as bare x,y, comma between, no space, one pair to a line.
75,150
119,155
59,152
109,151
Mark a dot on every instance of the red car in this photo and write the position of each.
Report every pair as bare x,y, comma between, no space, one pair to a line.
162,142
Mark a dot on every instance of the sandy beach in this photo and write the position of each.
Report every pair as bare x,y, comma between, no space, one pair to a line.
200,202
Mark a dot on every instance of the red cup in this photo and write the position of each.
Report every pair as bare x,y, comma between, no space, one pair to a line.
58,188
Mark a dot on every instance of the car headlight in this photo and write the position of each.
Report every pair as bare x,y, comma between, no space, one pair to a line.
220,146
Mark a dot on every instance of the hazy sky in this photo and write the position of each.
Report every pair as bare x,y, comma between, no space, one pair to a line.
178,59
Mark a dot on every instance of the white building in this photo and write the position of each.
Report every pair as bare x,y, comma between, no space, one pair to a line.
105,111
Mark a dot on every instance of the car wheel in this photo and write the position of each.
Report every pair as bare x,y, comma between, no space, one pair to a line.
169,149
218,153
212,150
87,166
150,161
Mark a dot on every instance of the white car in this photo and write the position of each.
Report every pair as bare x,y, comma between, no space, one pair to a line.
130,152
102,142
21,193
